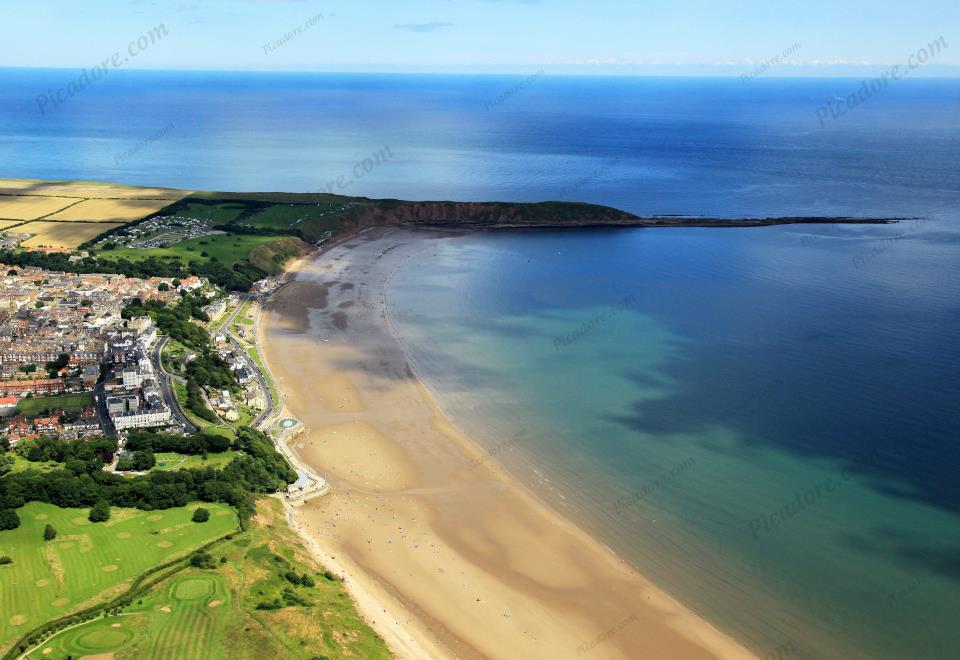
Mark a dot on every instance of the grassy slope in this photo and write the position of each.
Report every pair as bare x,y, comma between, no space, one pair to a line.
50,579
176,619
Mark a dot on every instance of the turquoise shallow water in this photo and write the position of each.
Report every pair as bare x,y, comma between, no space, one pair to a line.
759,420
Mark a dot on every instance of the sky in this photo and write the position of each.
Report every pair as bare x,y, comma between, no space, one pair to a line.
603,37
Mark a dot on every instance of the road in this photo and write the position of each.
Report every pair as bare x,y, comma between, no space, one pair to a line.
260,379
164,380
224,328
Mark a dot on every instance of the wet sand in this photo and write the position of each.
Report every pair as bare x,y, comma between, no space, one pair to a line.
446,554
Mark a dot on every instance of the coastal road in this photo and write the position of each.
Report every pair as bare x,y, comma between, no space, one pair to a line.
166,386
224,328
261,380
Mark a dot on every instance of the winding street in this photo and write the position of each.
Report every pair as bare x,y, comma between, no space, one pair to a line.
166,387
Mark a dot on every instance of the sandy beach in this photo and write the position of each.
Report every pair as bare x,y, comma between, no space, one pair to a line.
446,554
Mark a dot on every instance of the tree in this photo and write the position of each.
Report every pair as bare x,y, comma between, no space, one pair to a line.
143,460
163,287
38,304
100,512
5,560
9,519
49,532
201,515
202,560
28,368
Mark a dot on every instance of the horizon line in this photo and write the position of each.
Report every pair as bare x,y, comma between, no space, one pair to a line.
719,71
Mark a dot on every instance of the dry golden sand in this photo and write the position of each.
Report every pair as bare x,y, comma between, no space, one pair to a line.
444,560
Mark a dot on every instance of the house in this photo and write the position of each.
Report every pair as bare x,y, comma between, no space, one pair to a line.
8,405
23,387
90,375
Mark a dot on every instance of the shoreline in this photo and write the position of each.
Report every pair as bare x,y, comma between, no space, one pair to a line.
527,579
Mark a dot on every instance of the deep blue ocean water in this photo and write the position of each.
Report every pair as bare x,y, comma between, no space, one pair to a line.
764,421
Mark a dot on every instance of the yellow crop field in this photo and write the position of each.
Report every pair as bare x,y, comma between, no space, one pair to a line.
86,190
109,210
6,224
30,207
63,234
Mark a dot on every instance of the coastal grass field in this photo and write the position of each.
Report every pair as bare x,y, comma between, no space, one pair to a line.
67,402
228,249
212,613
87,561
175,461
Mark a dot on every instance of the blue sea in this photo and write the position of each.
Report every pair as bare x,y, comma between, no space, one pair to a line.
764,421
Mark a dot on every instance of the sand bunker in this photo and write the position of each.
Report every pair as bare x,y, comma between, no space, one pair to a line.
60,602
18,620
42,583
124,535
215,603
109,568
165,544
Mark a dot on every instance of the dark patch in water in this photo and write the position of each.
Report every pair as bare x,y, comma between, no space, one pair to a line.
346,304
340,320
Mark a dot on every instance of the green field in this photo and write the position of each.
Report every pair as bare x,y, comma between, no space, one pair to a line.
87,560
174,461
228,249
293,215
215,214
67,402
20,464
199,614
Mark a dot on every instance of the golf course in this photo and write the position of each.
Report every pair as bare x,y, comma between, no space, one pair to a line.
87,562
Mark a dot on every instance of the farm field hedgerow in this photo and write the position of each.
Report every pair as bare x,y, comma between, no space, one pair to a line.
48,579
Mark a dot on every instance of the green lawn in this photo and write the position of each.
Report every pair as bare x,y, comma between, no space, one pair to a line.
66,402
199,614
218,214
227,248
174,461
20,464
175,621
293,215
87,560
